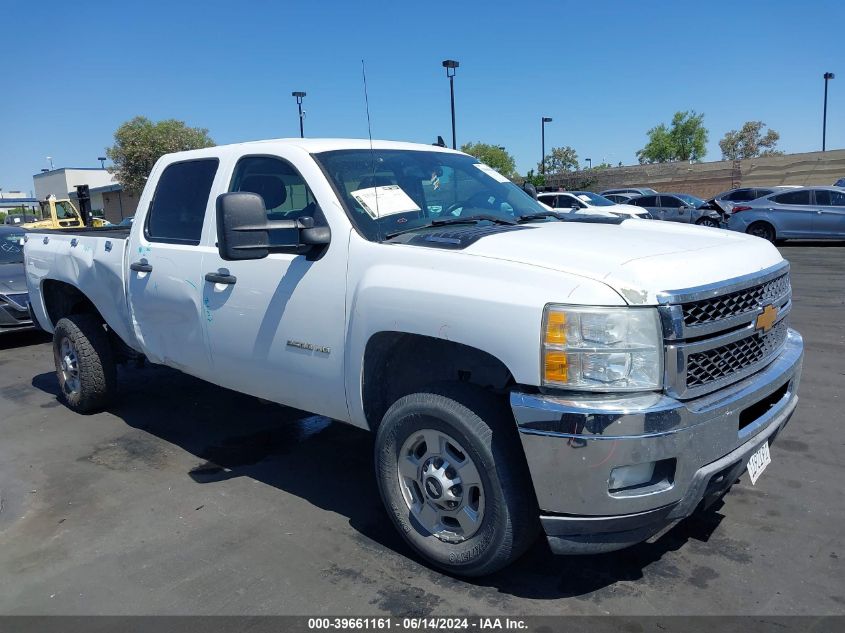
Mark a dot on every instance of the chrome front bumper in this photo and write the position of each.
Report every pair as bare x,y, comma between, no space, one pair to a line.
573,442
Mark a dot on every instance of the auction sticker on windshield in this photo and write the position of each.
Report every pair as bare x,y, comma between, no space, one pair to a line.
386,200
758,462
491,172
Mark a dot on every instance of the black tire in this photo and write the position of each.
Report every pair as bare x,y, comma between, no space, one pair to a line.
484,427
762,229
707,222
96,374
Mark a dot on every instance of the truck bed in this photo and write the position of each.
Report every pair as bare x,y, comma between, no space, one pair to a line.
92,260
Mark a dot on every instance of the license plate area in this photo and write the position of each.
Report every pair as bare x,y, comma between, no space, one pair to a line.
758,461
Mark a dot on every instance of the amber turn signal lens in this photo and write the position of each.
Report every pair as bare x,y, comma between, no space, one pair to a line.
556,328
556,366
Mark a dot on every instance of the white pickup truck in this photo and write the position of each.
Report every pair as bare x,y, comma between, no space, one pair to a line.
600,378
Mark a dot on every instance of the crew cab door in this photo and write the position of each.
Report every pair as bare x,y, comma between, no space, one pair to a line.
276,325
165,263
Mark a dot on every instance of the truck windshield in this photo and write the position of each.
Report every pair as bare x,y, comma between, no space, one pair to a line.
11,249
390,191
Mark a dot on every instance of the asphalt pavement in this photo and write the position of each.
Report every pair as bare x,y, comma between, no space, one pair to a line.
186,498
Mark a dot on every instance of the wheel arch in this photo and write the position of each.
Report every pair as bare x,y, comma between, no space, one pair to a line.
398,363
763,222
62,299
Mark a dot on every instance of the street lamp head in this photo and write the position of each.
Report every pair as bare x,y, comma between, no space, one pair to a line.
450,65
297,94
829,76
547,119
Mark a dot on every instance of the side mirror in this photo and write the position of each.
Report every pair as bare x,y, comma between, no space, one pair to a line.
244,232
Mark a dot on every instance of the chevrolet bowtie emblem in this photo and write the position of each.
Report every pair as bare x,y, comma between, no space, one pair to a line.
766,319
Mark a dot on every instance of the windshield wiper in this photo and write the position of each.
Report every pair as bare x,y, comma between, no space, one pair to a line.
472,219
540,216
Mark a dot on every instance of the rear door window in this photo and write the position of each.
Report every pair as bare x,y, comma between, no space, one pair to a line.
671,202
645,201
177,210
792,197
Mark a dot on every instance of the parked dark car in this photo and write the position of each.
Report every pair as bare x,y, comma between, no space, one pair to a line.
839,183
806,212
19,218
679,207
14,298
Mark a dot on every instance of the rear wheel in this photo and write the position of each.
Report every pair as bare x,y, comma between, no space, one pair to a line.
84,362
454,481
762,229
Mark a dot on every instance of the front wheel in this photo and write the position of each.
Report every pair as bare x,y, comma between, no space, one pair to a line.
453,479
762,229
84,361
707,222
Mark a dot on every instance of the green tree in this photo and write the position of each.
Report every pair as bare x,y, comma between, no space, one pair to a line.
139,143
560,159
684,139
538,180
494,155
749,142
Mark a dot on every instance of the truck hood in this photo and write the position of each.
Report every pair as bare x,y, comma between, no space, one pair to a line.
12,279
637,258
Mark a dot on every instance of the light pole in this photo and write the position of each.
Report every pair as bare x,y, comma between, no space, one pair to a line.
50,160
102,160
543,121
827,77
299,95
450,65
589,160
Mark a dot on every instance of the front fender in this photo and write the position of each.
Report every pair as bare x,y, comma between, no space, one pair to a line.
492,305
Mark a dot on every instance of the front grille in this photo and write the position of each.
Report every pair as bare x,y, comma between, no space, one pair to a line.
735,303
717,363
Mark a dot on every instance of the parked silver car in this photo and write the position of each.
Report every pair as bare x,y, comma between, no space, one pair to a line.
727,200
620,198
679,207
637,191
14,297
806,212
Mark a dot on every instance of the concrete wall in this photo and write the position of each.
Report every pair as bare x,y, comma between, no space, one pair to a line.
118,205
708,179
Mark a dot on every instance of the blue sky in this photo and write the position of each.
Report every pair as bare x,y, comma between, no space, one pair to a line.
605,71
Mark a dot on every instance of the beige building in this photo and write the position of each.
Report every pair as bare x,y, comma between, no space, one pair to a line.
62,183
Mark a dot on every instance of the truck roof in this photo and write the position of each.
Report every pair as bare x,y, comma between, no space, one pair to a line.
316,145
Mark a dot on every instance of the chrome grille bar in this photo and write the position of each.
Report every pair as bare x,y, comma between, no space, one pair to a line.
721,343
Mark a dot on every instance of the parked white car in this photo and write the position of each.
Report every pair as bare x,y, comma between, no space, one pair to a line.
596,378
589,203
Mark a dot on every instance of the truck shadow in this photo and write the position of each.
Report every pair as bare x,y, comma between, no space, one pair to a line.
10,340
329,464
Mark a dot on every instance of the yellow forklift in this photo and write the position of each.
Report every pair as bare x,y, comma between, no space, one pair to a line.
59,213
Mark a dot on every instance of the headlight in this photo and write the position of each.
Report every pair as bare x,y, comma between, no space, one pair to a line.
602,349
